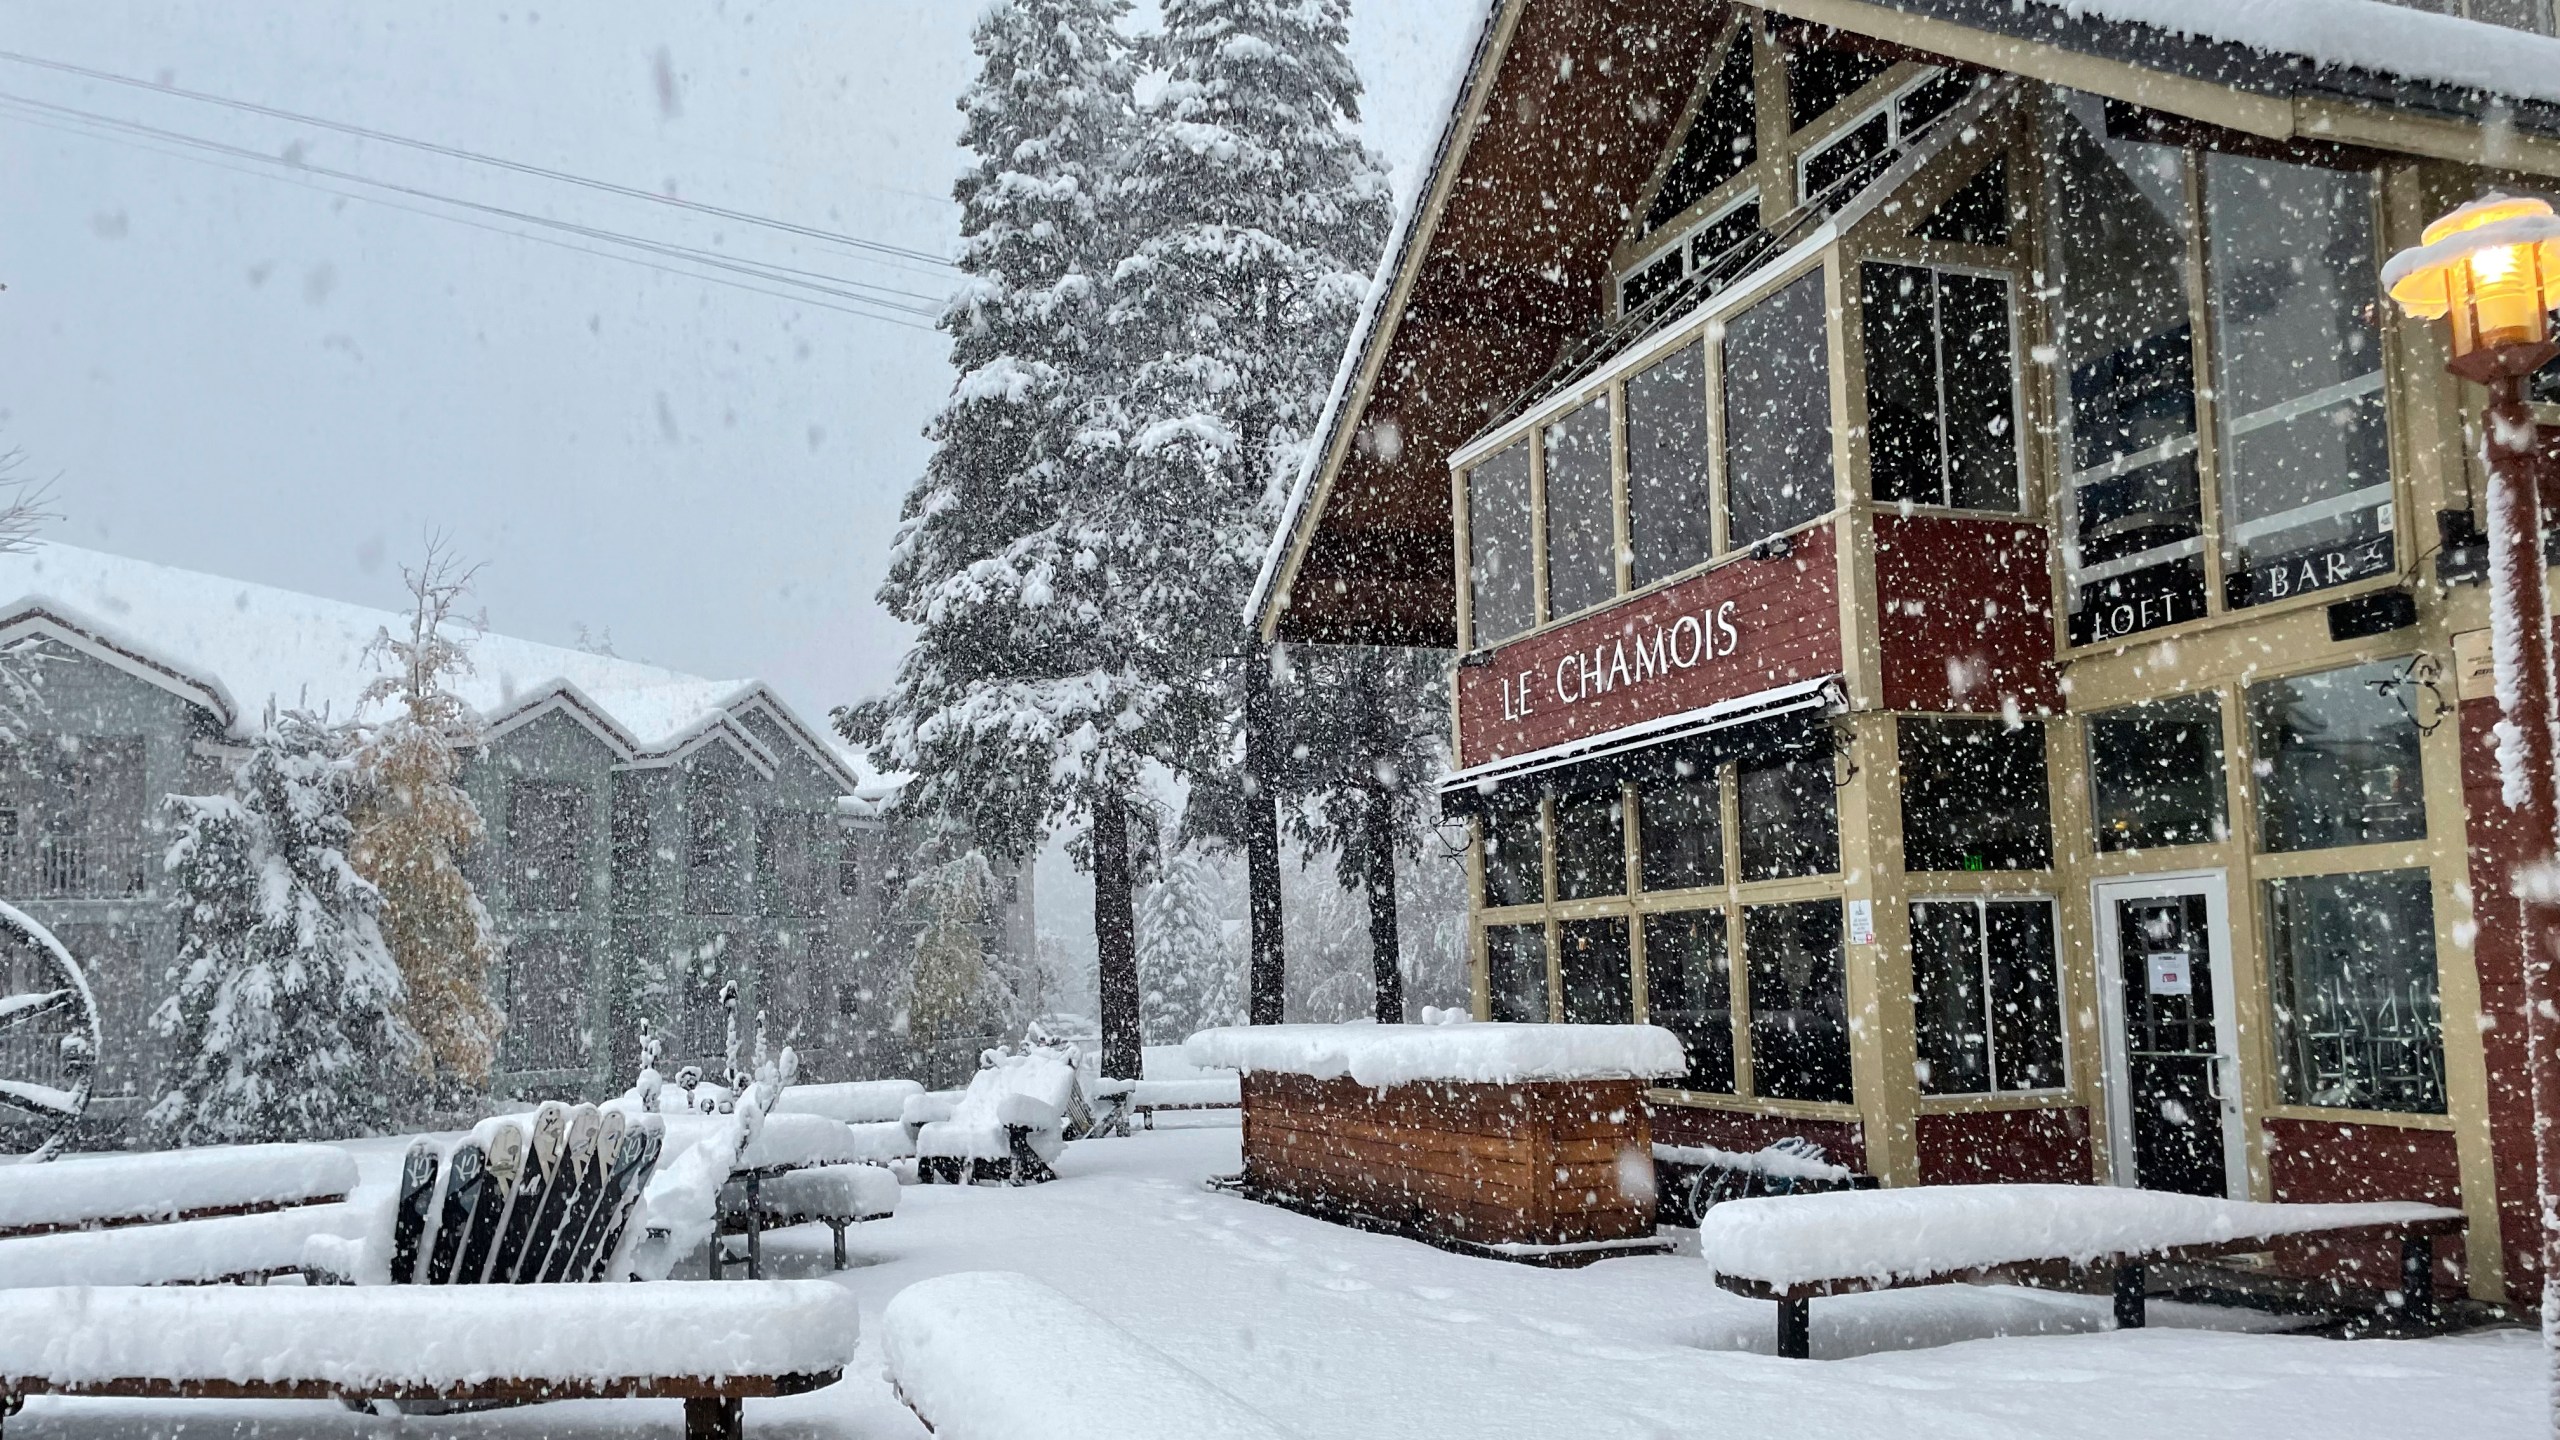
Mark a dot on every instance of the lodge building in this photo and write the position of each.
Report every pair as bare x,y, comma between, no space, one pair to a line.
1967,601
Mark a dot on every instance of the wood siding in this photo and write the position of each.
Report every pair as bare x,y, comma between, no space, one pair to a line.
1965,614
1985,1147
1842,1141
2345,1162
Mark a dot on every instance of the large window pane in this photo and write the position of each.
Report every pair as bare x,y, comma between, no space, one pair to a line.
1671,526
2155,773
1790,817
1973,796
1799,1001
1591,845
1514,857
1986,996
2352,959
1596,972
1680,829
2025,994
2337,759
1951,1026
1498,564
1515,964
2121,225
1721,140
1688,990
1777,413
2306,486
1582,565
1941,406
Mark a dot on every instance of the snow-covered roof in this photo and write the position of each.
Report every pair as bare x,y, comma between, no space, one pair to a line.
235,646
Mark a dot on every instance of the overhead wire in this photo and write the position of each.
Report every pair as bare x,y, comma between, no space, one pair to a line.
926,308
477,157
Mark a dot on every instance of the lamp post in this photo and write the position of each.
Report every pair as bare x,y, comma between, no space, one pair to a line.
2492,269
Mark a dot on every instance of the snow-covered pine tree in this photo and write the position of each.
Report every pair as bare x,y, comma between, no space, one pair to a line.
1194,978
286,1016
413,823
1024,700
1259,217
946,903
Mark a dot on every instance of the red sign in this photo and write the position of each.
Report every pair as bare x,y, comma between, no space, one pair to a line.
1736,630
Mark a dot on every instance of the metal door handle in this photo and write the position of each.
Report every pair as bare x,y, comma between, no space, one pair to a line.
2213,1077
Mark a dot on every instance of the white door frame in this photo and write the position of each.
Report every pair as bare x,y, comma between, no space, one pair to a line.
2116,1082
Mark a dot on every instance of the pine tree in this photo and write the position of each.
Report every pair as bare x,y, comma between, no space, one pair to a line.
1260,217
1021,704
947,979
413,825
1194,978
286,1014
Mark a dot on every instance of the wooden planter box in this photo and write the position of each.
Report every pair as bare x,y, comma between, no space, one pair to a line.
1554,1172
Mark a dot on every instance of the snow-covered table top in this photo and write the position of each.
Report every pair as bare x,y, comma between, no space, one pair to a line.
995,1355
193,1252
162,1185
1881,1236
393,1336
1495,1054
782,1141
854,1102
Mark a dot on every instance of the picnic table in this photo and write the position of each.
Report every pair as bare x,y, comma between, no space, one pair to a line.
240,1214
796,1167
1794,1249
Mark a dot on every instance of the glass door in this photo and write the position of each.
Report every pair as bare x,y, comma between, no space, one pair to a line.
2172,1071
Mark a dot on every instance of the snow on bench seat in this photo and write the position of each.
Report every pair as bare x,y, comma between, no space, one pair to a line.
853,1192
191,1252
1029,1093
1381,1056
80,1192
781,1142
420,1338
857,1102
994,1355
1882,1237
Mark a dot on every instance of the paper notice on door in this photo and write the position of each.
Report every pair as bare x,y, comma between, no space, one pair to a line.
1862,922
2169,973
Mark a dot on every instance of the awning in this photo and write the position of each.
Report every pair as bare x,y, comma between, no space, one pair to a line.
1649,749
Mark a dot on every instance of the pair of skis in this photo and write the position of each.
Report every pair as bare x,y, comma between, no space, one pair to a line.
519,1208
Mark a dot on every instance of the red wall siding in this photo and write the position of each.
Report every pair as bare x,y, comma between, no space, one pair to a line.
1786,627
2322,1162
2497,844
1842,1141
2006,1146
1967,614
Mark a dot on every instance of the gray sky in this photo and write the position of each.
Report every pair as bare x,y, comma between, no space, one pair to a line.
278,376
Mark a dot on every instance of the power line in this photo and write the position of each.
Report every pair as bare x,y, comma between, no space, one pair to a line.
458,153
464,220
928,308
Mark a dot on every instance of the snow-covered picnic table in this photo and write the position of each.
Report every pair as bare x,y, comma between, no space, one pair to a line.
1793,1248
1011,1119
89,1192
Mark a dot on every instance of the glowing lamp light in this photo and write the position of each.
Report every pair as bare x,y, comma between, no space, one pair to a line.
2492,268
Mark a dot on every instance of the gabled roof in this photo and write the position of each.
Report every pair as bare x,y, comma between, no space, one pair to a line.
234,647
1501,257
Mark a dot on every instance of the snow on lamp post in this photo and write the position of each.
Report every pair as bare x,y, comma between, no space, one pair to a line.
2492,270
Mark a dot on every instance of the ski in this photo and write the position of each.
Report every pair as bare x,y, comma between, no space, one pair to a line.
533,1190
641,1146
466,1173
505,1168
555,1228
581,1225
409,1222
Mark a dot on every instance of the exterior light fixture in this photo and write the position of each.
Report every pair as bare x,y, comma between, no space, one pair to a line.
2492,269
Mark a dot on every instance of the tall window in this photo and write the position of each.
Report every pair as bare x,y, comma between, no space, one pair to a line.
1596,972
2352,961
2306,483
716,827
547,1001
1987,996
1789,814
1799,1001
1973,796
1516,972
633,869
787,863
546,844
2337,759
1582,545
1501,585
1777,413
1942,424
1591,845
1721,142
1681,833
1671,525
2155,773
1514,857
1688,990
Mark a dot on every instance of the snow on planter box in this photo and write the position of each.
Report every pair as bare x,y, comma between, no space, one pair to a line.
1528,1142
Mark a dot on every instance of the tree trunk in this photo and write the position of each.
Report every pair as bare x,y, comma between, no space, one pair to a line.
1381,885
1269,971
1115,940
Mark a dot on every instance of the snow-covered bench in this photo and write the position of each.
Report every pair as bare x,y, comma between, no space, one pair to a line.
233,1249
993,1355
853,1102
707,1345
1117,1102
1010,1122
1793,1248
836,1196
105,1191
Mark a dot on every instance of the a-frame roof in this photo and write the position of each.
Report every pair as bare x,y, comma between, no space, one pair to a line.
1566,106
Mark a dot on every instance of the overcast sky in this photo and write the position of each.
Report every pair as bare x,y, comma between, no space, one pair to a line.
288,376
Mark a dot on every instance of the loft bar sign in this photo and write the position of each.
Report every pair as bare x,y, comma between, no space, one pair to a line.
1624,660
2320,568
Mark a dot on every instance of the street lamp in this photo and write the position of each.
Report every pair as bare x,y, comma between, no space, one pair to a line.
2492,268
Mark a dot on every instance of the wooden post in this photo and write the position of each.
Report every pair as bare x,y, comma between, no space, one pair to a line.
1795,1327
1380,881
714,1417
1115,937
1268,970
2131,1311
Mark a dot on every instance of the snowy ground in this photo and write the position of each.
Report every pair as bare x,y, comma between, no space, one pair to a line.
1336,1333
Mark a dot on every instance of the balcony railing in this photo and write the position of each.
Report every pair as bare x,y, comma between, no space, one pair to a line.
73,867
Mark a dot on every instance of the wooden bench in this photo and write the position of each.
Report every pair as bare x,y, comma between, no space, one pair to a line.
1738,1238
170,1186
836,1196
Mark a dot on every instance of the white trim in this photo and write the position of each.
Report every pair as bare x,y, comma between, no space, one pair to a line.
1823,693
1679,246
2133,460
2127,564
2116,1081
41,619
2301,405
